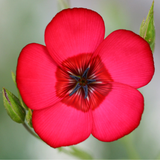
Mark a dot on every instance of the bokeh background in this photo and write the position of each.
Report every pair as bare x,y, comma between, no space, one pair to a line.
23,22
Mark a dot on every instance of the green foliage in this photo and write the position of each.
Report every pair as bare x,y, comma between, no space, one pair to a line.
147,28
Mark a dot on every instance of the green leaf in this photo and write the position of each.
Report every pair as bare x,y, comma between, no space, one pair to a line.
13,107
19,96
147,28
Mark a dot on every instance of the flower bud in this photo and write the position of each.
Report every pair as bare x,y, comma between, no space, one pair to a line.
13,107
147,28
29,117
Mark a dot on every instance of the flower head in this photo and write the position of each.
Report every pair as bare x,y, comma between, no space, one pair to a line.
80,83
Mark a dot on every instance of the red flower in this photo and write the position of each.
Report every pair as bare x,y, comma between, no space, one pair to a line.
80,83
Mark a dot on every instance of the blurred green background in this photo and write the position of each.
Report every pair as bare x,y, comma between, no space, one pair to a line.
23,22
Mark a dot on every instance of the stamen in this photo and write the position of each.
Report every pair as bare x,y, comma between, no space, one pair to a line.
75,89
85,88
85,73
75,77
82,82
90,81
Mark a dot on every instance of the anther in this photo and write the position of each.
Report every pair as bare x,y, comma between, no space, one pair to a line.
85,73
85,88
75,89
75,77
90,81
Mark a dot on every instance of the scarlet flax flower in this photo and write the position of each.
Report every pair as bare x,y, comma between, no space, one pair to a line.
80,83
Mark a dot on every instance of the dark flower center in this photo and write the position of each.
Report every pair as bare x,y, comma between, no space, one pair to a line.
83,82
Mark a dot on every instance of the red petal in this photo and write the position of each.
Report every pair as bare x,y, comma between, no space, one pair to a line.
36,77
72,32
127,57
119,114
62,125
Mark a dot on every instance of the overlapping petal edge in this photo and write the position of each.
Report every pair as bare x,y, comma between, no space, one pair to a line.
126,56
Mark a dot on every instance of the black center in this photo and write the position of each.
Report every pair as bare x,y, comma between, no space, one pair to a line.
83,82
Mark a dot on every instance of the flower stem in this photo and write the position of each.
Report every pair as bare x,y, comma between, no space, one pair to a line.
30,131
131,151
76,152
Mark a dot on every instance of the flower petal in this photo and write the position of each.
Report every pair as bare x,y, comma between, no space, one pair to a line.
36,77
62,125
127,57
119,114
72,32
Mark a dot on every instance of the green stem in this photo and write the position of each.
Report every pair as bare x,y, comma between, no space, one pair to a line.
30,131
131,151
76,152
